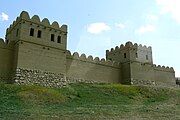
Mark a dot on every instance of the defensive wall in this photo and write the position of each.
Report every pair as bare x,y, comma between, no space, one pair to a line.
35,52
137,65
92,69
6,60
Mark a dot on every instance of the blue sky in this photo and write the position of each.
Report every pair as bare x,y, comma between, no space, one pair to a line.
97,25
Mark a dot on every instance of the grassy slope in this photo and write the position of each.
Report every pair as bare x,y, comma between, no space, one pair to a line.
89,101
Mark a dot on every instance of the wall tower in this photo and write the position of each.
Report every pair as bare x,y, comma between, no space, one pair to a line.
127,55
39,45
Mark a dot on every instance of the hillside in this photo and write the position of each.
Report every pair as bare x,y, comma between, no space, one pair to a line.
89,101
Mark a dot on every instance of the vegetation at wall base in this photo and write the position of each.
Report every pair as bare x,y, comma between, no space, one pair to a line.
89,101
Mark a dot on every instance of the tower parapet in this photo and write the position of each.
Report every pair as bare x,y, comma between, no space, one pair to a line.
36,20
126,46
34,30
130,52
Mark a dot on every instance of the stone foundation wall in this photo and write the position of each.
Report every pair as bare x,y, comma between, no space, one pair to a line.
142,82
79,80
47,79
37,77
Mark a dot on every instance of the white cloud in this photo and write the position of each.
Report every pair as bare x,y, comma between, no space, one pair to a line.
4,17
120,25
170,6
152,17
145,28
97,28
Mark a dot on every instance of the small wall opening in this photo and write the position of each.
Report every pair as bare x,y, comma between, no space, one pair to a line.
39,33
52,37
59,39
17,32
31,32
124,55
136,55
146,57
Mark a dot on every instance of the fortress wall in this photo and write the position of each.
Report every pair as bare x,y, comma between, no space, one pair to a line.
125,73
6,60
90,69
142,74
164,75
148,74
37,57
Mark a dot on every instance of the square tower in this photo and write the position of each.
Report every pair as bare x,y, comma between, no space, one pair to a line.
39,45
127,55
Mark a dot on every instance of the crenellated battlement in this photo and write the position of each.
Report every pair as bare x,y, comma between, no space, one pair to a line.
24,17
5,44
127,46
90,59
163,68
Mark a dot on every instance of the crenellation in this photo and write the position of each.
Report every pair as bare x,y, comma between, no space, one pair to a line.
107,52
154,65
68,53
83,57
163,68
55,25
121,46
128,44
96,59
102,60
149,47
24,15
76,55
112,49
14,22
2,43
90,59
135,45
45,22
35,19
64,28
5,44
116,48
